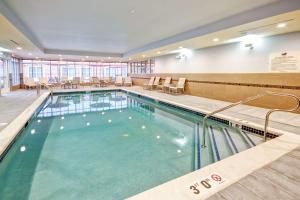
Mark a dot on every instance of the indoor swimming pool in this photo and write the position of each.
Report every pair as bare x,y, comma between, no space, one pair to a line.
110,145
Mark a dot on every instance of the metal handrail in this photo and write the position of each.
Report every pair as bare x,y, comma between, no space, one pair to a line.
293,109
266,93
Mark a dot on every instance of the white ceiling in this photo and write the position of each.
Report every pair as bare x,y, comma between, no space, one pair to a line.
109,26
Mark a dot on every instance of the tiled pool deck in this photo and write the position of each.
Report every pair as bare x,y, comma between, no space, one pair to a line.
235,169
277,180
13,104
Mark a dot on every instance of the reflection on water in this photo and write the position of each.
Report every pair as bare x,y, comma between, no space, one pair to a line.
58,105
80,103
100,105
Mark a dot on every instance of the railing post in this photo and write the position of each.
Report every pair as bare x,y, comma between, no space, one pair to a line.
204,132
266,125
38,89
293,109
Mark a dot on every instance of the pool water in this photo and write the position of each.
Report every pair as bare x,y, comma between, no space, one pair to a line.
108,145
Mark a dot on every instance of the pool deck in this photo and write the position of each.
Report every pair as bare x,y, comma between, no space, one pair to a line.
277,180
251,174
12,104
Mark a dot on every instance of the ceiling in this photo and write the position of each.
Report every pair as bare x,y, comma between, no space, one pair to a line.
10,37
261,28
98,29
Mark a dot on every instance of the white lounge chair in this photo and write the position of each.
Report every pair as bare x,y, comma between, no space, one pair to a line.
95,81
127,81
64,82
29,83
165,87
179,87
44,82
75,82
107,81
149,85
119,81
156,82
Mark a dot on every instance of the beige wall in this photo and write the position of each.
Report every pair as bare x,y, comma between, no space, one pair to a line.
237,86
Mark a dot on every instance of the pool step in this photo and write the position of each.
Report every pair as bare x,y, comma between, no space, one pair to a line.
203,156
221,146
239,139
227,141
221,143
251,137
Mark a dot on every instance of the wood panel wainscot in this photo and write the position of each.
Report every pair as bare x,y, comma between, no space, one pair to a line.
234,87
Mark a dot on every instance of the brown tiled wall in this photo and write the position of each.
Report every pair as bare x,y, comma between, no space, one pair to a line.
234,87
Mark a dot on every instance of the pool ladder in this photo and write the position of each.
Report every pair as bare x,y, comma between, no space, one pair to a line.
267,117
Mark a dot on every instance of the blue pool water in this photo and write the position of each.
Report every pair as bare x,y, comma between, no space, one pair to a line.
109,145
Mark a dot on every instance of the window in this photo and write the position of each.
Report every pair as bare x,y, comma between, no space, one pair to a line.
143,67
2,74
85,72
68,69
4,70
14,70
46,68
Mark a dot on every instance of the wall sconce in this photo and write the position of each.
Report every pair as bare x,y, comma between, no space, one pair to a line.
184,54
181,57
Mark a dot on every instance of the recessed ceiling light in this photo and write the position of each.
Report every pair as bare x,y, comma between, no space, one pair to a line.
158,52
19,48
143,56
132,11
281,25
216,39
180,47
